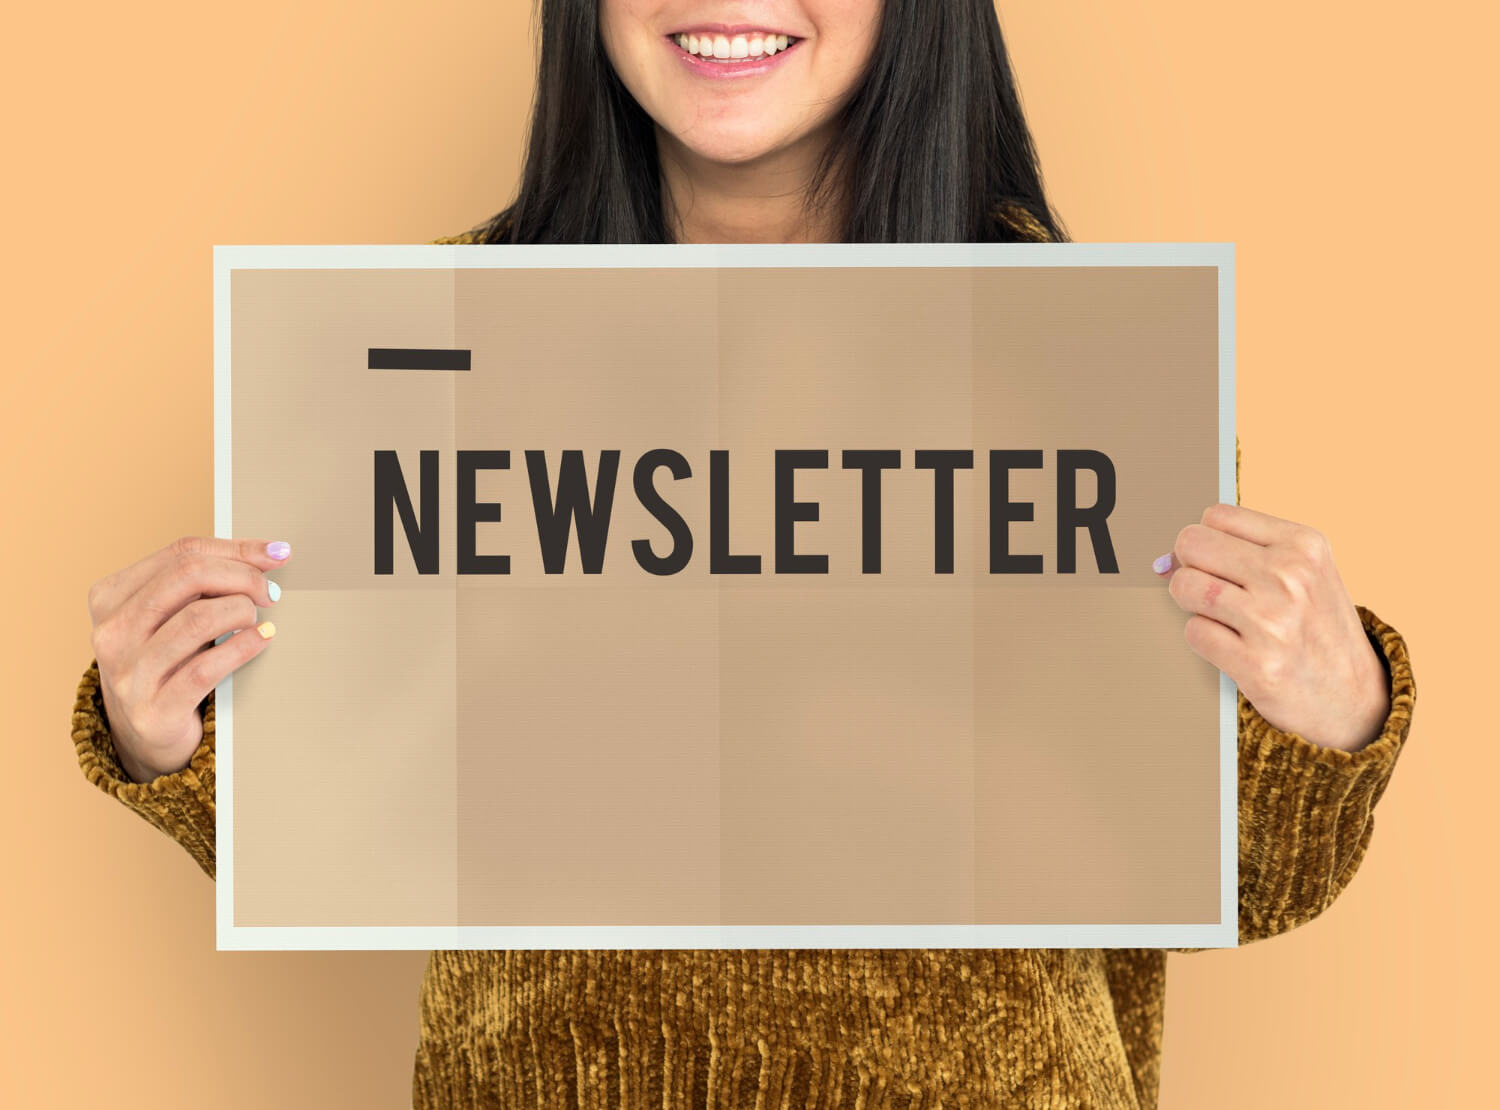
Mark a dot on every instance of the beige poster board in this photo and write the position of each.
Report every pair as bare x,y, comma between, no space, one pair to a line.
742,596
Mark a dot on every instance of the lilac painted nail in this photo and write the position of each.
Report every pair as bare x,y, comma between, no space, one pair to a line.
1162,563
280,549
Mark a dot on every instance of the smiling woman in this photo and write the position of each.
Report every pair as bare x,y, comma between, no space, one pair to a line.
869,127
656,129
739,131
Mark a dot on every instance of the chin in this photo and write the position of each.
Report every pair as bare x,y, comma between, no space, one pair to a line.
732,149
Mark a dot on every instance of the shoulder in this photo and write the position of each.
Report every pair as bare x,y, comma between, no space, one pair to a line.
470,236
1011,221
480,232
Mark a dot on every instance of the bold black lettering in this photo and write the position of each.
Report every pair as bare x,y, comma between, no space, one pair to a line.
943,464
1003,511
651,501
720,561
572,504
390,490
789,511
872,463
471,512
1095,518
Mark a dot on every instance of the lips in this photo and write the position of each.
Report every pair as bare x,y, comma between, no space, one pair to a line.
751,45
729,29
725,56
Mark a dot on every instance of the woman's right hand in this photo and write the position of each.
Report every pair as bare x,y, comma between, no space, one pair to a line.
155,623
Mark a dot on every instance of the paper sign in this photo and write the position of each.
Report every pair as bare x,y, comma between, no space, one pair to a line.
750,596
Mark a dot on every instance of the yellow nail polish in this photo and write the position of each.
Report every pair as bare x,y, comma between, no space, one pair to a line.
266,630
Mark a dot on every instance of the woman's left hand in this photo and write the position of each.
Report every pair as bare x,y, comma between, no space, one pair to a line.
1270,611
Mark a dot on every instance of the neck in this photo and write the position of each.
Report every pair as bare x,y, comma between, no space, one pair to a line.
760,201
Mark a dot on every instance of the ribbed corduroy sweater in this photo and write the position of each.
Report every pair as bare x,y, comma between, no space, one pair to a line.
836,1029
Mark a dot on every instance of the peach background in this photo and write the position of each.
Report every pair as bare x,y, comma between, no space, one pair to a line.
1343,155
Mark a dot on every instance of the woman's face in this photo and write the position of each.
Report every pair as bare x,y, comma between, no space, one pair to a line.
714,78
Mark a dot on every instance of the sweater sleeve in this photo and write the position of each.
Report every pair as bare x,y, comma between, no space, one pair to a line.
183,804
1306,812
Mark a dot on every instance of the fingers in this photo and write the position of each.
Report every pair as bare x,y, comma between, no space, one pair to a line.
1249,525
1221,646
193,628
1222,554
201,671
109,594
1206,595
184,577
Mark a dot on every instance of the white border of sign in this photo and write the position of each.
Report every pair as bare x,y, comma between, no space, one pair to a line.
1223,934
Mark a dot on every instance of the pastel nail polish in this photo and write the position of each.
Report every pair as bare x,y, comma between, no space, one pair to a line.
1162,563
273,589
279,549
266,630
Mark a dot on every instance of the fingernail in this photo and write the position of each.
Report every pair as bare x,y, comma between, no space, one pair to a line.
1162,563
280,549
266,630
274,589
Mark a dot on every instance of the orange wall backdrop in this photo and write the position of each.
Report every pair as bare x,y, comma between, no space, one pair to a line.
1340,147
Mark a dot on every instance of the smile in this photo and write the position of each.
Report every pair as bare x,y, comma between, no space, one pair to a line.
733,48
709,54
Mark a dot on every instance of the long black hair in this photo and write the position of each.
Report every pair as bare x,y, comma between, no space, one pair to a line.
933,143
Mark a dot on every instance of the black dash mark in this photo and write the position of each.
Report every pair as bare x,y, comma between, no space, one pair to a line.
417,358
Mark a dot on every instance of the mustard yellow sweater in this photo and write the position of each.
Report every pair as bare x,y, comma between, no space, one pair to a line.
828,1029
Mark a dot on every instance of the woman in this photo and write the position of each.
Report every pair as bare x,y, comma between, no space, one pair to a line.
789,121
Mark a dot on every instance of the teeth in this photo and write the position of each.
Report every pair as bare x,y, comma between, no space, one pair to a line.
724,47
